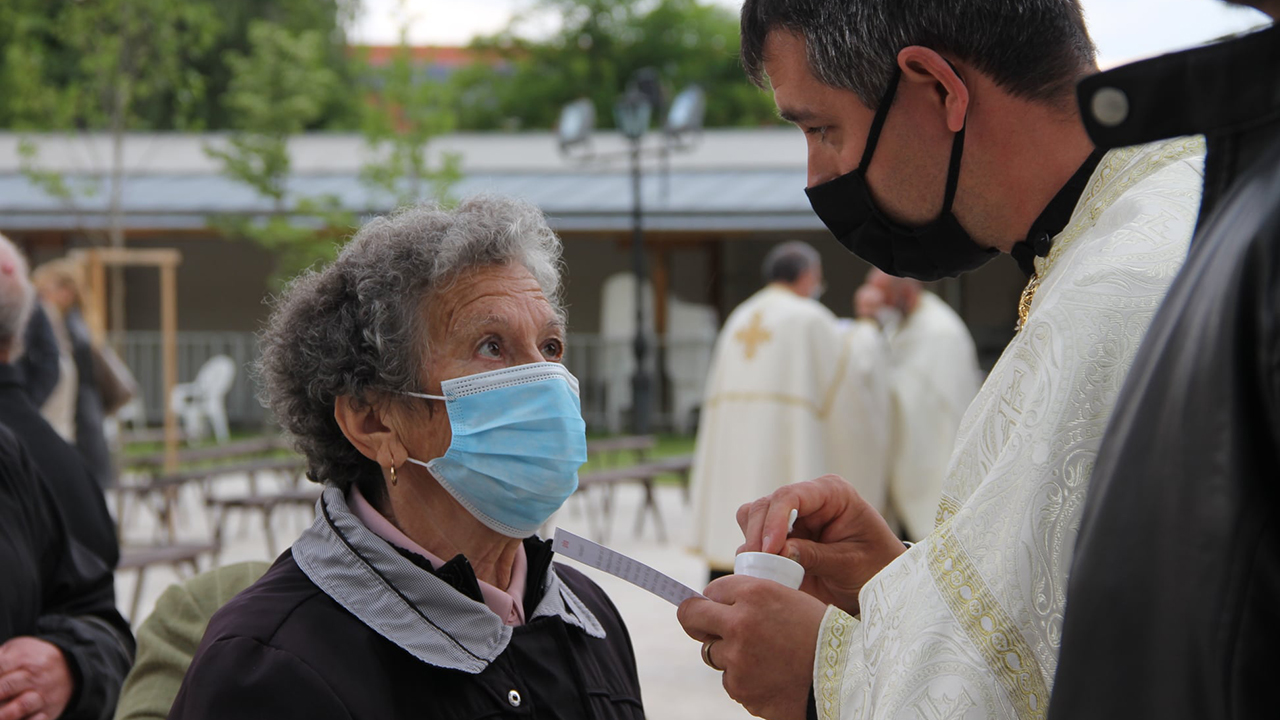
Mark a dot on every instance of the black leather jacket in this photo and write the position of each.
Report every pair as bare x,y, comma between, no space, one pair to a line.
1173,605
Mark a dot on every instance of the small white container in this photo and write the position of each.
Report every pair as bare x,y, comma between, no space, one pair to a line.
770,567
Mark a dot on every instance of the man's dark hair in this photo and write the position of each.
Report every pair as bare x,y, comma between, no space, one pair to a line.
1033,49
788,261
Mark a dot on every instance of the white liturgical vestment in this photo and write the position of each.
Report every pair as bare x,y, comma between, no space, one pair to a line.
794,393
933,376
967,623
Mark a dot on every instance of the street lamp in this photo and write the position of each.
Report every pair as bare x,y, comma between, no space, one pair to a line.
631,114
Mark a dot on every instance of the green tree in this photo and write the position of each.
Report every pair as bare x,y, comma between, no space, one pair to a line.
277,89
58,47
92,65
404,113
600,45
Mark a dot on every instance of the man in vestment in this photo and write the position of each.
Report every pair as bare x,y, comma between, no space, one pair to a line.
942,133
794,393
1173,609
933,376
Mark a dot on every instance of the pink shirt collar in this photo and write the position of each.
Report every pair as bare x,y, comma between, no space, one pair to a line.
507,604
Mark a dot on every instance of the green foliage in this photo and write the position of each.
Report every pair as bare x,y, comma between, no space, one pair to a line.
601,44
65,65
277,88
400,120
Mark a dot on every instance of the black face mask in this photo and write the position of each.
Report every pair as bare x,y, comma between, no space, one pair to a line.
938,250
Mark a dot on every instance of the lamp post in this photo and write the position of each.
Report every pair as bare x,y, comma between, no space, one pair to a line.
632,113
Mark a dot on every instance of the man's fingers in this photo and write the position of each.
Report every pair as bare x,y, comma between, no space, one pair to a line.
8,663
776,519
14,684
816,559
751,523
701,619
20,707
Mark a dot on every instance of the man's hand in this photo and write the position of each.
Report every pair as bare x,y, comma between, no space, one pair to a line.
765,635
841,541
35,682
867,301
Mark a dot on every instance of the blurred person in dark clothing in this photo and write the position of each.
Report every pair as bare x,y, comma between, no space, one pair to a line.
39,362
78,496
64,649
59,283
1173,605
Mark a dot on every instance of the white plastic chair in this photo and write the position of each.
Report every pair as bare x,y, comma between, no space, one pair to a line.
205,397
691,338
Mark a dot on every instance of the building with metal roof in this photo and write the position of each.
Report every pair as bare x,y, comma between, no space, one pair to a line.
711,212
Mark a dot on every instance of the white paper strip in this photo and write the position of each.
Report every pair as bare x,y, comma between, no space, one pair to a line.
619,565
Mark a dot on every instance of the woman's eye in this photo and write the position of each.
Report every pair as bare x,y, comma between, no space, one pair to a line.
490,348
552,349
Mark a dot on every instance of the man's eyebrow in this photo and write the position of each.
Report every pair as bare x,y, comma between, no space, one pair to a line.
796,116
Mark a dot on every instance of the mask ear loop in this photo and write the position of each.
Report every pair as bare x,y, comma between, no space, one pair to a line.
877,123
957,152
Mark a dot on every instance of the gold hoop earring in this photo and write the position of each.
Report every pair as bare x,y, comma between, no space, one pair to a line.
393,475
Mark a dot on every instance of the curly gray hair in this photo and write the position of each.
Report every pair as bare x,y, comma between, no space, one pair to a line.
356,328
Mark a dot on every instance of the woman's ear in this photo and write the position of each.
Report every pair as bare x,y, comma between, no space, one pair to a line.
924,66
368,428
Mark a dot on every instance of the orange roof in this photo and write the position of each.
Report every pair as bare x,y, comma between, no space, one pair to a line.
379,55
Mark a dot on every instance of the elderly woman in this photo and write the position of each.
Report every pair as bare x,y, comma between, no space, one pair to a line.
420,375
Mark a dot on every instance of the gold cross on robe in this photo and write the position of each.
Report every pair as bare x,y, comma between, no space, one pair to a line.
753,335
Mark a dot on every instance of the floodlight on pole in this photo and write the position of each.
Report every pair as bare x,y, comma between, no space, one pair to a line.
577,122
687,113
633,112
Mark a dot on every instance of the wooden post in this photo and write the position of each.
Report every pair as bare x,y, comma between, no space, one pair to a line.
661,286
97,280
169,340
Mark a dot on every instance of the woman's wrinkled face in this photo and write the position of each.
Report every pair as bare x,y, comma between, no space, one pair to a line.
491,318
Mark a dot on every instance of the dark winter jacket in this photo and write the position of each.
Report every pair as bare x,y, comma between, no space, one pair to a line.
344,625
54,589
1173,605
75,489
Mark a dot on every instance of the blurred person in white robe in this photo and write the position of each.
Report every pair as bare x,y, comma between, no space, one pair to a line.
933,376
794,392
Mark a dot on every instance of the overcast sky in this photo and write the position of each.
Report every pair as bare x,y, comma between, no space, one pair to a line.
1124,29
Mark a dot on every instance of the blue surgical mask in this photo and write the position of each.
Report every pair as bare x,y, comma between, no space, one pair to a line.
518,441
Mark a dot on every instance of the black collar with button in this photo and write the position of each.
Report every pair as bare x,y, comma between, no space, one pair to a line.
1205,90
1055,217
1229,92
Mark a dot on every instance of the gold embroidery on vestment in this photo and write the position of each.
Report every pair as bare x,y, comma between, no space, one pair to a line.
833,656
821,411
947,507
991,630
1172,151
753,335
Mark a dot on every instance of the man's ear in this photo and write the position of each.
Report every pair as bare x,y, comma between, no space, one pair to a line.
924,66
367,427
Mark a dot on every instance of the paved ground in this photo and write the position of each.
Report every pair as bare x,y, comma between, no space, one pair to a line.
676,685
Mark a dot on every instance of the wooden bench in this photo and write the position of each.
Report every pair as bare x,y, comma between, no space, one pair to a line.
161,491
266,504
646,474
152,462
142,557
